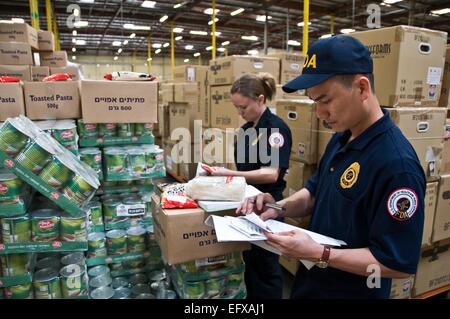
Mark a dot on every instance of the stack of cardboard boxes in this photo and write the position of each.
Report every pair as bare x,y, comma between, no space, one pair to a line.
409,69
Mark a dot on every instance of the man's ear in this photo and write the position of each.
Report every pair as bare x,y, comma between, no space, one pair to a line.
364,87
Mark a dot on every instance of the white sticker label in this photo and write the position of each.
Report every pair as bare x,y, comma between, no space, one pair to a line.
130,210
434,75
258,65
295,66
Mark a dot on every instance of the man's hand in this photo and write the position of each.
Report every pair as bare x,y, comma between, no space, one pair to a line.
296,244
257,206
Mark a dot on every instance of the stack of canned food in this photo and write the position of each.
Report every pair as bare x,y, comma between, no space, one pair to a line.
96,130
155,285
13,194
210,278
42,155
133,162
64,131
56,276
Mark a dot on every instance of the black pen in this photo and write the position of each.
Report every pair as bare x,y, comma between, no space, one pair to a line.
270,205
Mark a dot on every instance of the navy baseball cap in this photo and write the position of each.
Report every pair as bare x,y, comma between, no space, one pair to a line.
339,54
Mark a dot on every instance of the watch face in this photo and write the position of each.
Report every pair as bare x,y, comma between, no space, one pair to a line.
322,264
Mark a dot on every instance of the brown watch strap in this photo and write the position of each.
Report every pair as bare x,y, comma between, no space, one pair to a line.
326,254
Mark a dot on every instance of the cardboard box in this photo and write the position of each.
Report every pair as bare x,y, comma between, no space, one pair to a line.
408,64
119,101
444,100
53,59
52,100
19,32
281,95
187,93
431,194
424,128
296,176
16,71
226,70
205,103
183,236
190,73
401,288
434,268
46,41
300,116
223,112
38,73
181,116
441,227
15,53
166,93
163,120
71,70
325,133
219,146
445,158
291,65
186,155
11,100
168,158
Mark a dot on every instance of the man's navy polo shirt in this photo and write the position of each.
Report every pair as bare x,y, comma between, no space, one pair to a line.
369,193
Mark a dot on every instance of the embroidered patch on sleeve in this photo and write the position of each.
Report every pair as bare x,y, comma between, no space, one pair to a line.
402,204
276,140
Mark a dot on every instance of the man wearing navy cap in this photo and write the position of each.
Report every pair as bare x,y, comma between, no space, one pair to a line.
368,189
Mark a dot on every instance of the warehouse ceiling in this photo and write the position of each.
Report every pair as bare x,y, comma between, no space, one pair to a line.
106,20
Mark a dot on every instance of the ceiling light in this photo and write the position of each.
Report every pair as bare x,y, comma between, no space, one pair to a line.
221,49
346,31
198,32
441,11
156,45
132,35
148,4
157,51
236,12
252,52
294,43
86,1
210,11
80,24
80,42
116,58
249,37
218,34
125,42
163,18
186,60
131,26
17,20
189,47
263,18
302,24
74,49
211,21
74,57
76,12
209,48
197,54
74,40
225,43
177,30
178,38
165,45
119,51
74,33
149,59
116,43
179,5
327,35
391,1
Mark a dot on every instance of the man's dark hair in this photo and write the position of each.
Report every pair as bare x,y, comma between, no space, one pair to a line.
347,80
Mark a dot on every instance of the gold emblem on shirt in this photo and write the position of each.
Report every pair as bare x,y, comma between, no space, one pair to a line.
350,176
255,141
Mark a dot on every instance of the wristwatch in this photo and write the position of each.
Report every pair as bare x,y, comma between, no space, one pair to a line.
323,261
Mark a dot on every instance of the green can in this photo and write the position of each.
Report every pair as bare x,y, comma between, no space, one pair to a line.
44,225
16,229
96,244
12,141
55,173
136,239
73,281
194,289
48,262
144,129
120,282
19,292
95,213
92,156
76,258
46,284
110,210
15,264
102,293
88,130
98,270
214,286
106,184
116,160
137,161
78,190
234,281
10,185
100,281
140,289
107,129
125,129
65,132
116,242
122,292
73,228
34,157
